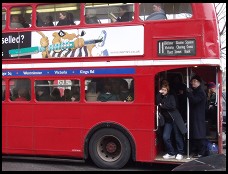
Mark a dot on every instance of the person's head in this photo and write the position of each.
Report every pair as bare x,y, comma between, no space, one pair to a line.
62,15
90,12
49,19
56,92
123,9
156,7
107,86
40,91
123,85
22,92
15,18
211,87
164,89
196,81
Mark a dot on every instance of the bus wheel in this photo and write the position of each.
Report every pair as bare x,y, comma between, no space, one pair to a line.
109,148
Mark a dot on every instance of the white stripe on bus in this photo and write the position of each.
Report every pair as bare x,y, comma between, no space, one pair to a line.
114,63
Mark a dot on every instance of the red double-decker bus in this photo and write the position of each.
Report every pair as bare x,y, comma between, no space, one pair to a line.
79,80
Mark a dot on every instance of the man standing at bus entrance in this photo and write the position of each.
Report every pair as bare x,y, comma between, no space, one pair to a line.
197,103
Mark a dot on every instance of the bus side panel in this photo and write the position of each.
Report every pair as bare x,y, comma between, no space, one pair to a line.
20,128
4,128
57,129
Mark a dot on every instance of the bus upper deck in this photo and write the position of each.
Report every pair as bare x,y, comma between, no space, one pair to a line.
180,36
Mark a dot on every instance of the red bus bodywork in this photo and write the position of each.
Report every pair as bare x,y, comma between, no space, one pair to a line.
65,129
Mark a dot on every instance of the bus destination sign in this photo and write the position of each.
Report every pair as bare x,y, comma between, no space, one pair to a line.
185,47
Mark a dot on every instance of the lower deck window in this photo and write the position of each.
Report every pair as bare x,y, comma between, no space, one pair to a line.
109,89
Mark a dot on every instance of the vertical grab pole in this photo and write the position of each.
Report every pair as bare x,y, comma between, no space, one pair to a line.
219,130
217,103
187,116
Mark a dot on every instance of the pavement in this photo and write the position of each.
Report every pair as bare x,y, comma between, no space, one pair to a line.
216,162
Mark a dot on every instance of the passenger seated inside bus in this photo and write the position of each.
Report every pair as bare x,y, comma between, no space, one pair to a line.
158,12
75,91
107,94
22,95
91,94
48,21
55,95
15,22
43,93
125,94
13,94
23,21
67,95
3,94
70,18
124,15
91,17
39,21
64,19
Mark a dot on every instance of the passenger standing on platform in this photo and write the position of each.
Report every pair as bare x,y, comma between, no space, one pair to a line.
211,110
173,121
197,103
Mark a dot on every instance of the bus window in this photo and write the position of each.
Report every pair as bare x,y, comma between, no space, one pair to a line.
58,14
20,90
57,90
3,19
3,90
20,17
156,11
108,12
109,89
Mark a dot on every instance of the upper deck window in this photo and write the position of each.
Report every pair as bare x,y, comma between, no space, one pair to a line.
108,12
20,17
58,14
164,11
3,18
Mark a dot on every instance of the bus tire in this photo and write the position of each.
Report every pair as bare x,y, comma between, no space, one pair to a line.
109,148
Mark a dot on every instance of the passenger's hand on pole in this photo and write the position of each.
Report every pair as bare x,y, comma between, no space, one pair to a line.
189,89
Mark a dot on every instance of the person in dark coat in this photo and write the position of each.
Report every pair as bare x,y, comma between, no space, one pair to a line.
197,103
43,94
125,15
39,21
107,94
64,19
56,95
48,21
211,110
158,13
173,121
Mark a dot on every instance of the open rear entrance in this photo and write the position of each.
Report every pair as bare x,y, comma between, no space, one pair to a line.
179,80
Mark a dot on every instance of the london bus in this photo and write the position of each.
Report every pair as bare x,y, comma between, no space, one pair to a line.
75,63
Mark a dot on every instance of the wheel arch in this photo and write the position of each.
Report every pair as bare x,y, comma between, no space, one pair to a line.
109,125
